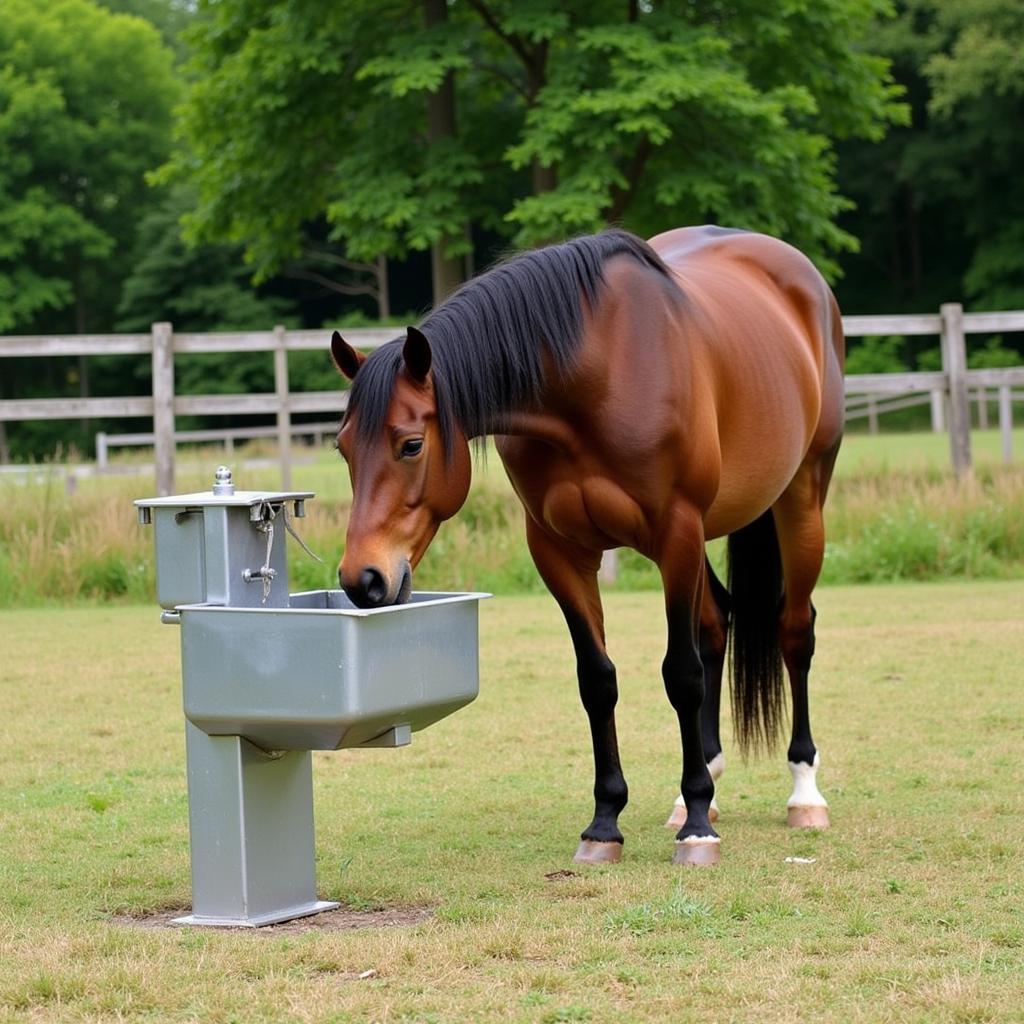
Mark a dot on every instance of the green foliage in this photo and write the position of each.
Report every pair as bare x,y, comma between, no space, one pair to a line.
876,354
977,84
198,288
993,355
674,120
170,17
565,119
85,98
942,200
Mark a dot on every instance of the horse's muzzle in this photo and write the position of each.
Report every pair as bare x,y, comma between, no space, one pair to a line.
372,589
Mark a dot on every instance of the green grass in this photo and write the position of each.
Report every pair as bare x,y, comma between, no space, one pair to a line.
867,453
894,513
910,911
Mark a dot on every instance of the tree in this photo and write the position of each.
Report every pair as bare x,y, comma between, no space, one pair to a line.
169,17
704,112
270,125
85,100
566,117
198,288
978,92
941,200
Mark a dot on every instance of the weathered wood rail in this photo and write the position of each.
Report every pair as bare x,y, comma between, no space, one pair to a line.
947,391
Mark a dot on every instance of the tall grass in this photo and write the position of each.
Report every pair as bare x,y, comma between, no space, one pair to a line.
915,524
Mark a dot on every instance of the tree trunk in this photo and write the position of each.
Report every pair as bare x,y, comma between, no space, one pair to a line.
447,274
383,293
545,179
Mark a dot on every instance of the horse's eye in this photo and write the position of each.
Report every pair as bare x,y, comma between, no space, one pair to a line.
412,447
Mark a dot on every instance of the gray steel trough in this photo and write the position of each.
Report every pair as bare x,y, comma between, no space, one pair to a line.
269,676
322,674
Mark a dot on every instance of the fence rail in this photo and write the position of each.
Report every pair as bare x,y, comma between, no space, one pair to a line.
948,391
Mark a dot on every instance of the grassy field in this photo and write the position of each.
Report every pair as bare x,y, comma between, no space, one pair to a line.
894,513
910,910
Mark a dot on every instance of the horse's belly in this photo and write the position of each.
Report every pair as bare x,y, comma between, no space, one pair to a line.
752,480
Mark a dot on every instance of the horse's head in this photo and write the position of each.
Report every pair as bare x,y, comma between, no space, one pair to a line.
407,477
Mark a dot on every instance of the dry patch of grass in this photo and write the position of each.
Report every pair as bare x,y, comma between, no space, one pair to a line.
908,912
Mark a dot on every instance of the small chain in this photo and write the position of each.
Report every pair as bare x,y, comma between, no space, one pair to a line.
267,513
266,525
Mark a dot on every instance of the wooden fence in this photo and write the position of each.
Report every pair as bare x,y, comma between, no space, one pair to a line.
947,390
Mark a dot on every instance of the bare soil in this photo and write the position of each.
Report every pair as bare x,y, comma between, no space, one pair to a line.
341,919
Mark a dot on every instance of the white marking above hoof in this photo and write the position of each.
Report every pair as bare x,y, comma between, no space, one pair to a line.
805,785
698,840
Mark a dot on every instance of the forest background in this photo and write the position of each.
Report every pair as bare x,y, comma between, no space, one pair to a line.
234,164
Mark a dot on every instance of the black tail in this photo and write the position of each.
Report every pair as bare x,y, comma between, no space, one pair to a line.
755,586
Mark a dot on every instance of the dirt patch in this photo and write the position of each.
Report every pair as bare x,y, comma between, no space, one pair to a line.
340,920
561,876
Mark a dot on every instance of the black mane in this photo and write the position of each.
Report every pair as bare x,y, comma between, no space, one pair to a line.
489,338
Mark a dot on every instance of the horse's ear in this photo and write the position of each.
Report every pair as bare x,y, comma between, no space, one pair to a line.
417,355
346,358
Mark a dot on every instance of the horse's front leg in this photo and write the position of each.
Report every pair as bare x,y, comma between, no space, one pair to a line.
570,573
681,561
714,627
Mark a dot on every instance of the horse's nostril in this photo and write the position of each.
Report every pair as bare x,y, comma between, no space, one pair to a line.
373,586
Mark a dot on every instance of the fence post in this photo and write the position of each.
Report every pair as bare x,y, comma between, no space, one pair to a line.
954,362
938,412
609,571
284,418
163,407
101,450
982,396
1006,421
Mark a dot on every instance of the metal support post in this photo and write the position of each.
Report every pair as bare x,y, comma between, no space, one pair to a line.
251,827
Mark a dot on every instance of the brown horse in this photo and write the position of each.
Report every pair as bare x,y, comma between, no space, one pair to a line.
644,395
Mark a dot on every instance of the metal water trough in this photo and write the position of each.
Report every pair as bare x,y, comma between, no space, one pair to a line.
269,676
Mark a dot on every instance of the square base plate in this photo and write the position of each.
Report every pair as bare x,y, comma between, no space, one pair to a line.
259,920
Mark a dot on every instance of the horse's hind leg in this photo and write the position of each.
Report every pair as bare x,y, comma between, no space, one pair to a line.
571,575
714,624
801,533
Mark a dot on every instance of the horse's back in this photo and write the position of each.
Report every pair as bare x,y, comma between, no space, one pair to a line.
764,323
732,255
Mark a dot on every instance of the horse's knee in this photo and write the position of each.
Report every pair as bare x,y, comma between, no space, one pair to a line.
598,682
684,684
700,786
796,637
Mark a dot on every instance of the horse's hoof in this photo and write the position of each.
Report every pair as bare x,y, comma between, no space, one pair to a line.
592,852
807,817
701,851
677,819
